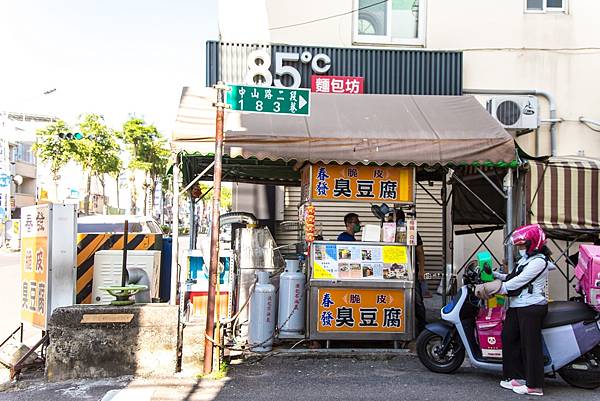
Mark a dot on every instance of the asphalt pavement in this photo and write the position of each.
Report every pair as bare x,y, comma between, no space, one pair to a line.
300,378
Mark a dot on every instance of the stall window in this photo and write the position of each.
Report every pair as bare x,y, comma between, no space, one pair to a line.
390,22
542,6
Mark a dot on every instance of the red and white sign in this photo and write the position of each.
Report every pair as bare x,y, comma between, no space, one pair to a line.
337,84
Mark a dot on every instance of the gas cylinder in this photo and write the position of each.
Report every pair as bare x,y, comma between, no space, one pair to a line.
291,300
262,314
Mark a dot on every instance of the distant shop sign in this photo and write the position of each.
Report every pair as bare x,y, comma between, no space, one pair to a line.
337,84
384,71
285,65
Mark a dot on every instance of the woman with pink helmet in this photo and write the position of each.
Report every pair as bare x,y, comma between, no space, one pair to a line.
523,357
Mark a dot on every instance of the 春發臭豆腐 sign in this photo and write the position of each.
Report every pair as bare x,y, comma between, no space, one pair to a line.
360,183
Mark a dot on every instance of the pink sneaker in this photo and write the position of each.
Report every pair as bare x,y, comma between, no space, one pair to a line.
528,390
510,384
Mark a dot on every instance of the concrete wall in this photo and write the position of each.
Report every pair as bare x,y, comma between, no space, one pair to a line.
144,343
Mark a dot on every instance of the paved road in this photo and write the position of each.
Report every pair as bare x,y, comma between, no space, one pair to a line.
289,378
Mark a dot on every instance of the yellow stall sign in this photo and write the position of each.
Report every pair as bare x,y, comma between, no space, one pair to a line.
360,183
361,310
34,266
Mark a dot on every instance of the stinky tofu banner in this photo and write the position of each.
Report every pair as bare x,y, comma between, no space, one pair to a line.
354,260
361,310
360,183
34,265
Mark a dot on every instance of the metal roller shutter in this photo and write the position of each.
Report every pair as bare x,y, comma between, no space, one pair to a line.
330,216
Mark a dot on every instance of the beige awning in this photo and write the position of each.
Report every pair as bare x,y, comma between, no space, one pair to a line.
393,129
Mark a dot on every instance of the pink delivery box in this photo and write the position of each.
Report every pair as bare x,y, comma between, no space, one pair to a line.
588,274
489,331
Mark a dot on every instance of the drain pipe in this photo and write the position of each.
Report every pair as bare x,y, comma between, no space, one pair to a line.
553,120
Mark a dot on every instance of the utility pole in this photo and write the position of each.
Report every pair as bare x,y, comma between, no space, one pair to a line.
215,230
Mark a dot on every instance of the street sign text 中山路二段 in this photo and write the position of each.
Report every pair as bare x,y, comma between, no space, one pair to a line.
261,99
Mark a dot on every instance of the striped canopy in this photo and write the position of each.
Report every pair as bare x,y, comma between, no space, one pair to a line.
562,194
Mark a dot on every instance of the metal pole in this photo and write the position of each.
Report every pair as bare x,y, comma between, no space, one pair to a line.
175,235
214,233
125,243
192,222
445,243
508,187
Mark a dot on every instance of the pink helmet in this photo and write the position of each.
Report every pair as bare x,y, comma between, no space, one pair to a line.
532,236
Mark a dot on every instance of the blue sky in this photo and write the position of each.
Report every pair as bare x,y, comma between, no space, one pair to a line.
112,57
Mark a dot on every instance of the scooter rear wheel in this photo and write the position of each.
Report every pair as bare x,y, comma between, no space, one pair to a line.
584,372
428,346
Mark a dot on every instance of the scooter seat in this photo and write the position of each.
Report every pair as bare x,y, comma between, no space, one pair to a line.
562,313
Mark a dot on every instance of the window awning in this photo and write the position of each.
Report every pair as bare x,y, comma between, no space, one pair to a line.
380,129
562,195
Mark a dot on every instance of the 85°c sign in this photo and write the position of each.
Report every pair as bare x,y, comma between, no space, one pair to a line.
259,65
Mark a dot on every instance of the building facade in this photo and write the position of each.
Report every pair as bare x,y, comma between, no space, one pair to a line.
540,52
547,46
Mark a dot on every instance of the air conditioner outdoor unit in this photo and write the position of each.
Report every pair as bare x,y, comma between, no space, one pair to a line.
108,267
514,112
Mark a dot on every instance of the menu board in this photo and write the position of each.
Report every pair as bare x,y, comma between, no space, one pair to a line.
356,261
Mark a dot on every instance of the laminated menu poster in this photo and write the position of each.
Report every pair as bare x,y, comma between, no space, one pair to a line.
360,262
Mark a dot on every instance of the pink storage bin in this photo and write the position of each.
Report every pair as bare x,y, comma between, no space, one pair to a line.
587,272
489,331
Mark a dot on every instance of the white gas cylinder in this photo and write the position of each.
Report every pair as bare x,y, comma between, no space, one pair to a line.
292,300
262,314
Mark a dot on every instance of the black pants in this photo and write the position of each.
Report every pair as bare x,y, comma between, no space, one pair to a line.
522,352
420,320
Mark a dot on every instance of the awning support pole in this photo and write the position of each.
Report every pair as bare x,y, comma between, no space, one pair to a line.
431,195
508,187
175,234
445,243
214,232
197,178
484,175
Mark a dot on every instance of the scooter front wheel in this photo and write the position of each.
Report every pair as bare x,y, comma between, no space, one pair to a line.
429,346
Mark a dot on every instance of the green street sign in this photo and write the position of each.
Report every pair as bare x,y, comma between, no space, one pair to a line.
265,99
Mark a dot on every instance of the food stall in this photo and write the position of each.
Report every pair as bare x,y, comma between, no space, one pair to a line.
360,290
361,142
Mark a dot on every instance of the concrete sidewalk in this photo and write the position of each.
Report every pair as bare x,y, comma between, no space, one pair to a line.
292,377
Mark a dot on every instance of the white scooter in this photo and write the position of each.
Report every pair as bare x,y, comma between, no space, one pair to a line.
571,336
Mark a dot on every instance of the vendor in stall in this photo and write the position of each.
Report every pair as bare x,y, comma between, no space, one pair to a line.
352,223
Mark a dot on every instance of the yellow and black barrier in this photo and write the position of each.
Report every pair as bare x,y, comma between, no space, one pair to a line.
89,244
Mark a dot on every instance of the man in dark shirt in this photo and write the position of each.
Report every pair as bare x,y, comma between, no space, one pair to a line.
352,223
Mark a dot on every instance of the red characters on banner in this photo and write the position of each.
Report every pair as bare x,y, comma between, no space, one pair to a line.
309,223
337,84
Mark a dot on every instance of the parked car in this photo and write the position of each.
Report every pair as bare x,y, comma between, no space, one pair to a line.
115,224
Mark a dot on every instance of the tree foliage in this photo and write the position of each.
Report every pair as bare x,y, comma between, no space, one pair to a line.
148,153
53,150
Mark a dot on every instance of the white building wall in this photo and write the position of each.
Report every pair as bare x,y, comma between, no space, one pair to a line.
504,47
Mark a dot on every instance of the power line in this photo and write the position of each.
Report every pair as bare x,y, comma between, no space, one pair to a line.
326,18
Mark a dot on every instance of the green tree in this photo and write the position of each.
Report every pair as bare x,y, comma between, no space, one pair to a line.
51,149
98,153
148,153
